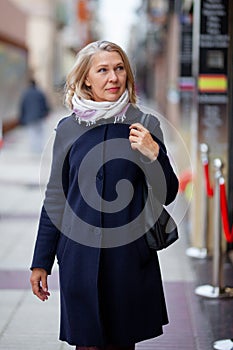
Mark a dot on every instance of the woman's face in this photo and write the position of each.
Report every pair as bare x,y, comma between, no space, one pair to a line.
107,76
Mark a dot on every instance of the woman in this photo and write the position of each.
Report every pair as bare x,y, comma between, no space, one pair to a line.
110,283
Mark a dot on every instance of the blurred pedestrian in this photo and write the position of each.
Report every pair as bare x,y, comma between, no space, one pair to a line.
34,107
111,290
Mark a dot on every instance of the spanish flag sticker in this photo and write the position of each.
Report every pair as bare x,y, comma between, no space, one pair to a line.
212,83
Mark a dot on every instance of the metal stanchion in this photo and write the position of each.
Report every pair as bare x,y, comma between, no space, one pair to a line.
224,344
216,290
194,252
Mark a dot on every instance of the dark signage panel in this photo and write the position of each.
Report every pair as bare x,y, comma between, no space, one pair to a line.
186,49
214,21
213,73
214,38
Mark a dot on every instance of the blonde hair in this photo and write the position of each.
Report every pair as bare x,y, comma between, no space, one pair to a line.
75,82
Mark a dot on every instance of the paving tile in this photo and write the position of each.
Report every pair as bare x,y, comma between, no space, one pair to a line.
17,242
20,279
32,324
9,301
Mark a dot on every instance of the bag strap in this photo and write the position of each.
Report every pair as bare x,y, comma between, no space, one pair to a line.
144,120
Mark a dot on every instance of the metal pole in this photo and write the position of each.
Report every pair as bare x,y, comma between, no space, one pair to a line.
217,247
216,290
205,229
194,252
196,38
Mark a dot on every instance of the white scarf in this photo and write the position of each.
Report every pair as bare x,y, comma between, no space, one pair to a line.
90,111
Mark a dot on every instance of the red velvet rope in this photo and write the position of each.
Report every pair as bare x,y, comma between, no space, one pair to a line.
209,188
224,212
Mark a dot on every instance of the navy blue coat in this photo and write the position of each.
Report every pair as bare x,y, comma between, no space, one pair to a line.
110,282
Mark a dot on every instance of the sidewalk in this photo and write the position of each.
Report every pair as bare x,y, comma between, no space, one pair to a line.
27,323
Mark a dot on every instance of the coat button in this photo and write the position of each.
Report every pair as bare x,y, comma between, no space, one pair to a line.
97,231
100,176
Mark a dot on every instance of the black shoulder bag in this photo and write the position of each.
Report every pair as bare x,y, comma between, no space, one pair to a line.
162,229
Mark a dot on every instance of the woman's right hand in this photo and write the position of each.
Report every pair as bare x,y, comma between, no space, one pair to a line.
39,283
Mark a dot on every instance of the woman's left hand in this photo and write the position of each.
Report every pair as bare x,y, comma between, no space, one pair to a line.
141,140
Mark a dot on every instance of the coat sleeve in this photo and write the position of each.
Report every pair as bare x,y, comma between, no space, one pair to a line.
52,210
160,173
